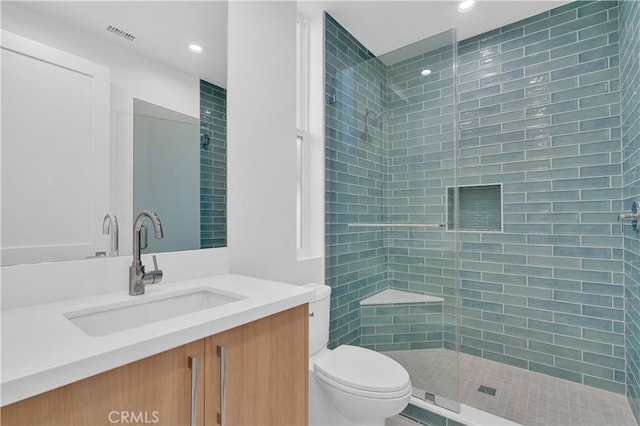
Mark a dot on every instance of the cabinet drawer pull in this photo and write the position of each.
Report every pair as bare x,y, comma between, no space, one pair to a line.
193,365
222,415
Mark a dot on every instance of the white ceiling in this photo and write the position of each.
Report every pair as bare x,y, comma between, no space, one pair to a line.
163,29
383,26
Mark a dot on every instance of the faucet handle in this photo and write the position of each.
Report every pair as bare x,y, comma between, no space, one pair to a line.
156,273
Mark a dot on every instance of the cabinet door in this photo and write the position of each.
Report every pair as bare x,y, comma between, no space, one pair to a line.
257,374
155,390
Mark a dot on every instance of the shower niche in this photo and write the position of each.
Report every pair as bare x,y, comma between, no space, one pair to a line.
480,208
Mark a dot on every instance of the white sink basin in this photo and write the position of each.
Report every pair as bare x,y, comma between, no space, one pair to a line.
143,310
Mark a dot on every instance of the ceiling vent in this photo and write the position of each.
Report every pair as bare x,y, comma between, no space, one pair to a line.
121,33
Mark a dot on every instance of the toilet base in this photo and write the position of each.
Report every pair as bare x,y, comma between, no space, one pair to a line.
323,413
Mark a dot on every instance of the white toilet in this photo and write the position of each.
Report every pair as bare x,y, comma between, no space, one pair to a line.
350,385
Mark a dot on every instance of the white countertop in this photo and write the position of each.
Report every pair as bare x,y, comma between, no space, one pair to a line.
43,350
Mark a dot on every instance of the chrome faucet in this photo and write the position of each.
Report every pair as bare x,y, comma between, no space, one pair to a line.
138,278
110,226
632,216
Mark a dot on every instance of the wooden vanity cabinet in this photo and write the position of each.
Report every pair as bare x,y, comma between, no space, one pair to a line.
266,382
265,364
154,390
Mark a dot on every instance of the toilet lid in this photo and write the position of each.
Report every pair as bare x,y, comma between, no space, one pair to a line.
364,369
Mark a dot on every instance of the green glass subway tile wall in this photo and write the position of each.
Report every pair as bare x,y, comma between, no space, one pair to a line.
630,88
213,166
421,168
402,326
427,418
377,146
356,260
540,114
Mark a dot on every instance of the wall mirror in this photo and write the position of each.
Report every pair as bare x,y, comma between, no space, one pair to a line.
70,153
180,174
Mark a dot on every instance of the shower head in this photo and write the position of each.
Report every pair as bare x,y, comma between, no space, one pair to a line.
367,114
379,120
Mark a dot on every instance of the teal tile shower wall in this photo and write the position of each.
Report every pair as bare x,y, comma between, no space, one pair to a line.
428,418
413,325
630,87
356,260
539,113
421,168
213,166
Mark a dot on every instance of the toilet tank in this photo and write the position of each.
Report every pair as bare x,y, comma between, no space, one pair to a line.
319,318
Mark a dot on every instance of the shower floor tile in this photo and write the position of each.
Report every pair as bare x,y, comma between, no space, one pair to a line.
521,396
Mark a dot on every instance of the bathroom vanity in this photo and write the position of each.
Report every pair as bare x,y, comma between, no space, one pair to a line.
241,362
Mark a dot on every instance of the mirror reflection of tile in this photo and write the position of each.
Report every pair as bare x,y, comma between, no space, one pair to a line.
213,165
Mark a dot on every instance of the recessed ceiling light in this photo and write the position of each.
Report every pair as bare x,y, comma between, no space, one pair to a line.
466,5
195,48
425,72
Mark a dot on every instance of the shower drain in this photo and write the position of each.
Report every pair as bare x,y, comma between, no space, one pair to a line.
430,397
488,390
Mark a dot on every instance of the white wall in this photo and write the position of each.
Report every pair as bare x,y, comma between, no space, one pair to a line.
261,136
48,282
261,129
132,76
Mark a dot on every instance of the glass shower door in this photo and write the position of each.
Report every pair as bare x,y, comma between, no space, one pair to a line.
421,190
391,239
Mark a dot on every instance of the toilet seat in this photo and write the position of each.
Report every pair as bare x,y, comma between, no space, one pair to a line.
363,393
363,372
